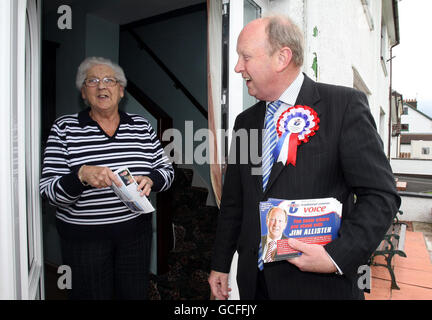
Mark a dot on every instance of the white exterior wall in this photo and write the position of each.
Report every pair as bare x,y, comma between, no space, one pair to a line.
416,149
345,41
394,147
416,208
411,166
292,8
405,148
418,123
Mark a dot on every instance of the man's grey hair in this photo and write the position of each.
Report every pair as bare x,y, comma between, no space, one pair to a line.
275,208
90,62
283,32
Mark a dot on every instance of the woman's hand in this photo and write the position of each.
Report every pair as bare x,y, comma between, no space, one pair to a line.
98,177
144,184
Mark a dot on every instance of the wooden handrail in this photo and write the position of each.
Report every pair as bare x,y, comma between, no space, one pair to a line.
170,74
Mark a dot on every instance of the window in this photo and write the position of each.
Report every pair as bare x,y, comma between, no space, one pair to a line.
358,82
426,150
405,127
367,12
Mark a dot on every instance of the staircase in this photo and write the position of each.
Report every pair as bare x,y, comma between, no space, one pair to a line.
194,226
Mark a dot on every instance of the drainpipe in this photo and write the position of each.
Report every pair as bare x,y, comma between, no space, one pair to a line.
390,104
396,22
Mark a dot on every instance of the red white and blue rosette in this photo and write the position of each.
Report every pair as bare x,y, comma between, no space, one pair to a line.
294,127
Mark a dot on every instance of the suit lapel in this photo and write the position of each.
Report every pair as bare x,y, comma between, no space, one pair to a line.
308,96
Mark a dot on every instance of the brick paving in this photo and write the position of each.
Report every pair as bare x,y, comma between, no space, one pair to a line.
413,273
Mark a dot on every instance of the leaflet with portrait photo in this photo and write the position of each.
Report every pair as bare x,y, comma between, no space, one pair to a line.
129,194
314,221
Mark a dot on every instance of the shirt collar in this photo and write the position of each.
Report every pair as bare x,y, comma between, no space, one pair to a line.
85,119
270,239
289,96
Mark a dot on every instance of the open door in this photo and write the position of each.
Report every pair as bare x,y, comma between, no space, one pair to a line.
235,97
32,277
21,272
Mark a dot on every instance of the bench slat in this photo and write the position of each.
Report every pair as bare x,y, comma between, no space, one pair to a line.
401,244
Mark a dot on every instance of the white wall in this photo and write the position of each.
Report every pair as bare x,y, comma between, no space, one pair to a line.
416,208
416,149
411,166
418,123
394,147
404,148
345,41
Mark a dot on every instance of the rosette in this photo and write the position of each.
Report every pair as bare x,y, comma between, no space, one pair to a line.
294,127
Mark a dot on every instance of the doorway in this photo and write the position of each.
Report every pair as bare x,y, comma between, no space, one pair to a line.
21,265
103,28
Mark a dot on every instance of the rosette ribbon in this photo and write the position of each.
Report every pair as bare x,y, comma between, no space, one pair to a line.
294,127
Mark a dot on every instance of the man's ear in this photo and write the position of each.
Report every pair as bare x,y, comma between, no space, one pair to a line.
284,58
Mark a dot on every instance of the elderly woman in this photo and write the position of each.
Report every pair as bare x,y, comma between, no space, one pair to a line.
106,245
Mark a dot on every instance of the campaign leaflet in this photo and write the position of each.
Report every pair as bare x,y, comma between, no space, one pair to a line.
129,194
314,221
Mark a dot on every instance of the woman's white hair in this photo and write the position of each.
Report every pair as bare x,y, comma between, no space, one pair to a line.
90,62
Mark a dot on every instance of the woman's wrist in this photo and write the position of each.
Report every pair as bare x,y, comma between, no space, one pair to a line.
80,176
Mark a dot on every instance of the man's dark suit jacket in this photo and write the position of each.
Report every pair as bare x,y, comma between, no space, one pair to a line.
344,158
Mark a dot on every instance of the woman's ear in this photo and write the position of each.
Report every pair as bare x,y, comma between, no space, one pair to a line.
83,94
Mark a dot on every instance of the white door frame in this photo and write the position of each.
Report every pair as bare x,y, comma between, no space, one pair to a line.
236,24
235,95
20,277
7,232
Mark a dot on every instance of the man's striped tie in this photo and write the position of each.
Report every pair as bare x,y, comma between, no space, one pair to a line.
269,143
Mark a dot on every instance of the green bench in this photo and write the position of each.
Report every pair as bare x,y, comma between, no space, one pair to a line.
392,244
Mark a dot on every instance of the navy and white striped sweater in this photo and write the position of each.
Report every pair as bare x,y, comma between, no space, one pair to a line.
76,140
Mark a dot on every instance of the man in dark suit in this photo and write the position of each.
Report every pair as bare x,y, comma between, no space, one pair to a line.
344,160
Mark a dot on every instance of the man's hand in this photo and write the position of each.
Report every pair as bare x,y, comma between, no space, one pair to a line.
314,258
219,284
